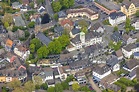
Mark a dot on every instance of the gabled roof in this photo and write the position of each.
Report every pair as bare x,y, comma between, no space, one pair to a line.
131,63
96,26
113,60
127,3
119,53
9,43
115,15
45,40
66,21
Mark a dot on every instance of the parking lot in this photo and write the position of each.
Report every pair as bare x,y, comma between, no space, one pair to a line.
110,5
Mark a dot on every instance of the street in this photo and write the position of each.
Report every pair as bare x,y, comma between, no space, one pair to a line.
94,86
49,8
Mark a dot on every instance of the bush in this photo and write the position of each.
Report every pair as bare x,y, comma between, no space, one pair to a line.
106,22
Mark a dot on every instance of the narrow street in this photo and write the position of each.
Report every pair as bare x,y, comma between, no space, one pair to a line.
94,86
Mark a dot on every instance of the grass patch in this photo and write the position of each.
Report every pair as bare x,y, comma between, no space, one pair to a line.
121,71
1,47
106,22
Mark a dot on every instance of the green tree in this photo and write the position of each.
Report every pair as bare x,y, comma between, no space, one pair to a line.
55,47
6,25
56,16
36,42
14,84
32,48
56,6
9,2
51,89
38,80
83,23
40,1
85,89
7,18
31,24
71,3
84,29
4,89
18,89
64,3
64,40
29,86
27,34
115,28
137,14
42,52
58,87
31,4
44,86
75,87
65,85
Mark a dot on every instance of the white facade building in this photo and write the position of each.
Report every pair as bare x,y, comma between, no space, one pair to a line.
116,18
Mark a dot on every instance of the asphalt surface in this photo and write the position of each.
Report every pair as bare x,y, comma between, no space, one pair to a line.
94,86
49,8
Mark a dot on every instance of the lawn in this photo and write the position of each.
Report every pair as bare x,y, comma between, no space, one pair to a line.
120,72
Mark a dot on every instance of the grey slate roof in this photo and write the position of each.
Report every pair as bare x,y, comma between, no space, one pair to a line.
62,14
113,60
45,40
19,21
75,31
58,29
101,70
131,64
116,36
115,15
96,26
130,47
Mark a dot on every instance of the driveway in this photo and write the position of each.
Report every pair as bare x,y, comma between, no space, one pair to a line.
94,86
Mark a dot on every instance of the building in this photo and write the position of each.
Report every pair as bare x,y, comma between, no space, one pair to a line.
116,18
83,40
136,25
136,55
8,44
119,54
82,12
18,20
116,37
11,68
16,5
59,30
66,24
129,7
130,49
45,40
97,27
61,15
25,2
131,65
22,52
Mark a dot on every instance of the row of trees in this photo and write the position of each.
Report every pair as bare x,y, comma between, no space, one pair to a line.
54,47
62,4
128,26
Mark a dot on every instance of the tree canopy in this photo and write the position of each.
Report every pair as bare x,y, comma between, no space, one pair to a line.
29,86
14,84
42,52
56,6
7,18
36,42
75,87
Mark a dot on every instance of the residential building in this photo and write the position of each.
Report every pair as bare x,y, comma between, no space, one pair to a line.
16,5
25,2
130,49
136,25
82,12
136,55
116,18
97,27
18,20
83,40
59,30
116,37
129,7
41,10
119,54
8,45
45,40
61,15
131,65
66,24
74,32
22,52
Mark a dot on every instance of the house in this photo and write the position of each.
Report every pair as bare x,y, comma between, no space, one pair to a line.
119,54
129,38
59,30
16,5
81,12
97,27
132,75
41,10
45,40
46,74
22,52
11,68
66,24
130,49
116,18
100,71
131,65
36,18
129,7
20,33
107,82
83,40
9,45
116,37
25,2
136,25
19,21
113,63
136,55
74,32
63,71
24,8
61,15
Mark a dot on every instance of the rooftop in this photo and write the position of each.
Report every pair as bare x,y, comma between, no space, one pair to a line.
45,40
19,21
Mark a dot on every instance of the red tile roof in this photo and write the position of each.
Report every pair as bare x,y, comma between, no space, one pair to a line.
66,21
